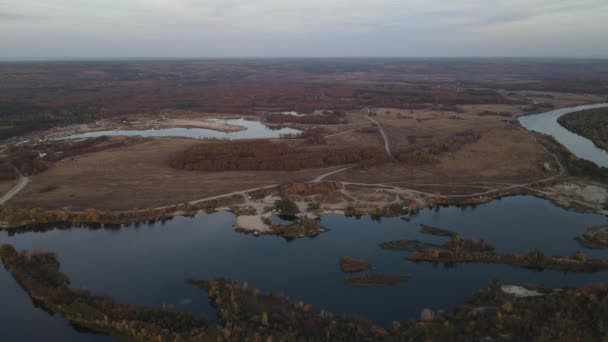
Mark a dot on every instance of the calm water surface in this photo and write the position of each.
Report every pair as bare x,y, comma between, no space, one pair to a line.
582,147
255,130
148,264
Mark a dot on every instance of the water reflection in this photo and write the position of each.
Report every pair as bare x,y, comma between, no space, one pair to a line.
582,147
148,264
255,130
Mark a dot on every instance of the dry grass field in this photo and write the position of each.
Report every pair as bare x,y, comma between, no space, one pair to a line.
137,177
463,121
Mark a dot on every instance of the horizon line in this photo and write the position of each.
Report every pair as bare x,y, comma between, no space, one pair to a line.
182,58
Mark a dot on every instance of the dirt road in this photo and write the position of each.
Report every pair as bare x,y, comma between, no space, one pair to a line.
23,181
387,143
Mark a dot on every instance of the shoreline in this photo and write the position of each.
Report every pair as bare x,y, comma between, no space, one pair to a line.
44,220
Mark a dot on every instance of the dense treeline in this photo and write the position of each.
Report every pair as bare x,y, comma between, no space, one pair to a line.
428,154
574,165
32,161
493,113
247,314
455,142
40,95
307,189
402,96
591,123
269,156
28,162
38,218
311,136
415,156
17,118
56,151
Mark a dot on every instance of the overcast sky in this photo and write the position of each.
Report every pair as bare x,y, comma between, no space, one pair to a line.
73,29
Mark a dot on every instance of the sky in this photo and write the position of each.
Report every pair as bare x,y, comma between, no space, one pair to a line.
91,29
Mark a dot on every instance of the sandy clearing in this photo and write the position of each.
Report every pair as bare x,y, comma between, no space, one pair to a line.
252,223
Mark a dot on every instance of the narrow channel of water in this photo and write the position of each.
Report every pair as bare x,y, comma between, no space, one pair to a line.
582,147
255,130
148,264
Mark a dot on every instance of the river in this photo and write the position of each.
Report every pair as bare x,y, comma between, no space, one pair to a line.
582,147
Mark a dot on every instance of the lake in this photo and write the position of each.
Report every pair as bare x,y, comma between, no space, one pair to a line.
147,264
255,130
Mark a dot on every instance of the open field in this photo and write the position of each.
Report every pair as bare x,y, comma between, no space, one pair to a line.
502,154
140,176
137,177
443,126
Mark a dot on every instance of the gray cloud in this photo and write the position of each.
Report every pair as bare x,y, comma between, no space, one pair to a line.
216,28
12,16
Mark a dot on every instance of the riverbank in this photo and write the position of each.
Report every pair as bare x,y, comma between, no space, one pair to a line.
254,209
548,123
590,124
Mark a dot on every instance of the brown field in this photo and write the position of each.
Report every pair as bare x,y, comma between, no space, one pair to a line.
137,177
140,176
424,106
504,154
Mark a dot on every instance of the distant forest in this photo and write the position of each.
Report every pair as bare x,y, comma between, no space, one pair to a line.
36,96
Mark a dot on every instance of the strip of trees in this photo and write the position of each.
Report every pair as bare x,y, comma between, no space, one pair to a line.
427,155
269,156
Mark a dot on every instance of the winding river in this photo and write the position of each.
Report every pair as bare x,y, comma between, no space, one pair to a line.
582,147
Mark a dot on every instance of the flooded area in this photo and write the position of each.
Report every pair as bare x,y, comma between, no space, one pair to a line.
582,147
147,264
254,130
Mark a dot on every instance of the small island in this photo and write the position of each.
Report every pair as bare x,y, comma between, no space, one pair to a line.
458,250
351,265
594,238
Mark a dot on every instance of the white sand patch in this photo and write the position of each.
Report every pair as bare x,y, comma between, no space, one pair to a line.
519,291
252,223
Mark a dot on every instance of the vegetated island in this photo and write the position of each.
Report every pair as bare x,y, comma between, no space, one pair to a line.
351,265
591,124
458,250
594,238
244,313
